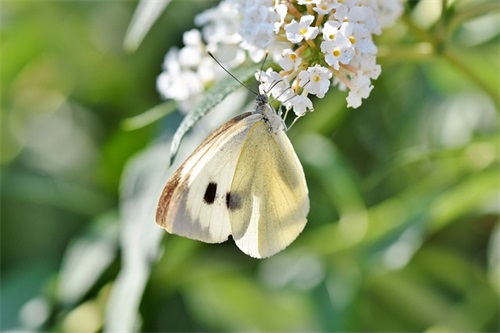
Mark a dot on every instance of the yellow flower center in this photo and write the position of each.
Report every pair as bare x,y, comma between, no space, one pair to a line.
331,36
293,56
315,78
303,31
352,40
336,52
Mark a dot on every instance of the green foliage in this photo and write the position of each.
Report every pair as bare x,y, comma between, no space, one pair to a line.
403,230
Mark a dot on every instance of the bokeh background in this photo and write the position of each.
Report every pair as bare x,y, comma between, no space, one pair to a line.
403,230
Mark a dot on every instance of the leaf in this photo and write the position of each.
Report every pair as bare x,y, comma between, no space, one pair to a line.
228,301
149,116
145,15
140,238
211,99
87,257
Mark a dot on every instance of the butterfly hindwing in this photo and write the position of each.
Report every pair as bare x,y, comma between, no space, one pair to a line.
270,193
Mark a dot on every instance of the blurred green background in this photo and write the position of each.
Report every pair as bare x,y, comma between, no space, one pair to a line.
403,229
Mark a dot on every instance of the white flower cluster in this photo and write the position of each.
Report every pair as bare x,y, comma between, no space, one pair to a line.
316,43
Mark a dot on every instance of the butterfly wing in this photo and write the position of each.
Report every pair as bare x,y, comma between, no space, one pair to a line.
193,202
268,198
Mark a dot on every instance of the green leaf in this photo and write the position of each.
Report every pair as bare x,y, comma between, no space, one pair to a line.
146,13
148,117
87,257
228,301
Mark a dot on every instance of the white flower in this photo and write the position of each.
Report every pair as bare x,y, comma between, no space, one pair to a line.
230,55
208,72
192,38
220,27
330,29
308,2
272,83
297,31
367,65
341,13
258,24
290,60
220,24
387,12
236,30
267,80
366,16
337,51
358,14
176,82
325,7
300,104
282,11
361,89
193,51
359,37
316,80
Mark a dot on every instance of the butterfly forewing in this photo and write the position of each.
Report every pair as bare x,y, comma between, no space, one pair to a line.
193,202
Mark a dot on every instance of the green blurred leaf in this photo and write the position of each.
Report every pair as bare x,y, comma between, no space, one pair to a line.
150,116
233,302
145,15
87,257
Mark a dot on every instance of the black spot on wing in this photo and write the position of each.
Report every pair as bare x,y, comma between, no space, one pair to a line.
210,193
233,201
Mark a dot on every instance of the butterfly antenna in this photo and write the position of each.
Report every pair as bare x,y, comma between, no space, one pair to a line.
228,72
271,87
262,66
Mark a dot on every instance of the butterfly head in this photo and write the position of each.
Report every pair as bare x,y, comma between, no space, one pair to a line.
268,113
261,99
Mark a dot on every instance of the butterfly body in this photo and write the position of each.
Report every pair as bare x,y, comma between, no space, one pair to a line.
244,180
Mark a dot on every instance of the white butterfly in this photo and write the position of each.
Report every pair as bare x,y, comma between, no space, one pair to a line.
244,180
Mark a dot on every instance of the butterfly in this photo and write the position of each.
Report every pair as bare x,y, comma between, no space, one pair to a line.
244,180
